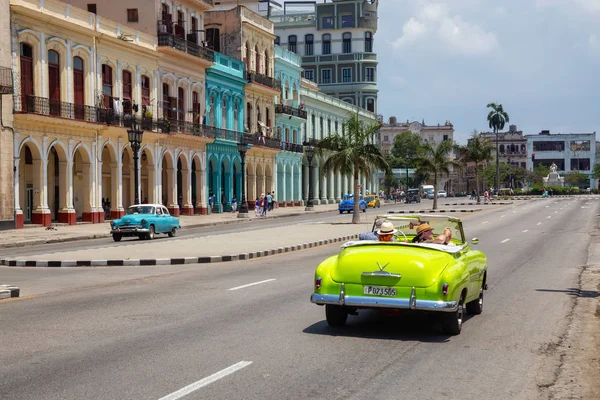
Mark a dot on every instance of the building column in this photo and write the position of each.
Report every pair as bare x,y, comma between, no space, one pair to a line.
116,176
86,196
172,191
216,178
186,192
41,214
99,209
331,188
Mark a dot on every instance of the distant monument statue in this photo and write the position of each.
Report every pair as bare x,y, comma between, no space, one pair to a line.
553,178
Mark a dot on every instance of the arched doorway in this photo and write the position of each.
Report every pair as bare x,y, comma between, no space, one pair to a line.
260,179
184,199
109,179
198,186
226,185
213,185
269,184
251,185
127,178
237,181
59,195
296,181
168,184
147,181
30,185
82,184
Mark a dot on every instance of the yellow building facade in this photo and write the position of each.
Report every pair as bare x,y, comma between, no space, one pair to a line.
78,78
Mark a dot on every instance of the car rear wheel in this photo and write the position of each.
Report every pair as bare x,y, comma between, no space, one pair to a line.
117,237
173,232
452,322
151,233
336,315
341,211
475,307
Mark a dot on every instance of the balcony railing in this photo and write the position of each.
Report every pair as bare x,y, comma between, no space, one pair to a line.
6,80
293,147
296,112
263,141
263,80
170,40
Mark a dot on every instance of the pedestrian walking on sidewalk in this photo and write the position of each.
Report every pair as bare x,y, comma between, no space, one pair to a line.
210,203
233,204
269,202
265,205
256,207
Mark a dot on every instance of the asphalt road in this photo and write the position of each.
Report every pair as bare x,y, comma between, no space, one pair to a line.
148,338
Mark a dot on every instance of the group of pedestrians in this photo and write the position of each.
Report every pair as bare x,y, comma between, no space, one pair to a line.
263,204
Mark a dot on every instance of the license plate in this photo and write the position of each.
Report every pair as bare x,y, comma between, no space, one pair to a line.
380,291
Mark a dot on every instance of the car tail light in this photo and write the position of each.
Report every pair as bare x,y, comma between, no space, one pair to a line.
318,283
445,289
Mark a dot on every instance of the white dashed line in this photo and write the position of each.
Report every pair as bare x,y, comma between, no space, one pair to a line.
505,240
514,212
555,212
251,284
549,216
526,230
206,381
502,216
539,223
485,222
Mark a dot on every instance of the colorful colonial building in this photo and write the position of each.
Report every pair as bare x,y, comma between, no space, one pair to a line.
290,121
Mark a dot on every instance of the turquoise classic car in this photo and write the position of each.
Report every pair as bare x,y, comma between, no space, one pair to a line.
145,221
443,279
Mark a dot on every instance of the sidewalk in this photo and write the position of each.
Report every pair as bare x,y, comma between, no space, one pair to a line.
65,233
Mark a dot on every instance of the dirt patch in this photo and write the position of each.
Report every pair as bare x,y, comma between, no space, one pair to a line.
578,352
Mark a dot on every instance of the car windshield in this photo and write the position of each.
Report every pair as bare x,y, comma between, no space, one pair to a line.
348,197
370,198
407,225
140,210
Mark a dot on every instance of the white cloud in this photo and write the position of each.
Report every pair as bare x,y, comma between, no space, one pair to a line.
589,5
466,37
593,41
411,31
435,23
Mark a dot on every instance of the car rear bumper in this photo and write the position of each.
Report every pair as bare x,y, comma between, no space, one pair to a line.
411,303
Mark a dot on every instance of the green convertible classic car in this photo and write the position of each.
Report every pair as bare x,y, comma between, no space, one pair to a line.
444,279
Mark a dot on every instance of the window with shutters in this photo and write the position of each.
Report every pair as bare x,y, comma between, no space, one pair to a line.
368,42
196,107
371,105
346,75
292,43
347,42
192,36
91,7
78,87
167,19
166,104
213,39
54,82
257,63
26,59
107,86
145,82
180,104
127,92
132,15
180,26
326,44
309,45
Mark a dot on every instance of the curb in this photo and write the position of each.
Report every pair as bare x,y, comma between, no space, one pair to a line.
9,291
172,261
107,235
432,211
494,203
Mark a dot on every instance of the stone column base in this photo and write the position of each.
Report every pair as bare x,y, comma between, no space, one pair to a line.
117,214
174,211
41,218
67,217
19,220
202,210
187,210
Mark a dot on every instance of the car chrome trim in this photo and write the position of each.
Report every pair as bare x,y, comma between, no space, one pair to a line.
412,304
383,302
129,230
384,274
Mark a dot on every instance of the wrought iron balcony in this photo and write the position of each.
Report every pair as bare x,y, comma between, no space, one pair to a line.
263,80
295,112
262,141
181,44
6,81
293,147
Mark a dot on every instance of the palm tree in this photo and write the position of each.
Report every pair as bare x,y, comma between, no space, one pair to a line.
353,153
478,150
437,160
496,119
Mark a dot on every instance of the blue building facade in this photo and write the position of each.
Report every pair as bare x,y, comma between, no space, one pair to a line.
225,82
290,122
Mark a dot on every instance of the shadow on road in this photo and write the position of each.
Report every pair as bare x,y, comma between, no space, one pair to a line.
573,292
372,324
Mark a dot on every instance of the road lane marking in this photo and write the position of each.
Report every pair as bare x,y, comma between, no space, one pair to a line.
549,216
251,284
539,223
502,216
526,230
555,212
206,381
505,240
485,222
514,212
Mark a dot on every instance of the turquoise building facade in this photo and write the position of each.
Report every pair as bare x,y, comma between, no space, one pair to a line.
290,122
225,82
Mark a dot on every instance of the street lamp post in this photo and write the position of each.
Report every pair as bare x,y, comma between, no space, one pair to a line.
242,148
309,150
407,185
135,136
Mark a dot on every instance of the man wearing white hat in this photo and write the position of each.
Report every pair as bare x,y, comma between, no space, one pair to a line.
386,232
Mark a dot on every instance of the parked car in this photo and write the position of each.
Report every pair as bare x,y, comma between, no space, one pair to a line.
348,204
372,201
442,194
444,280
413,196
145,221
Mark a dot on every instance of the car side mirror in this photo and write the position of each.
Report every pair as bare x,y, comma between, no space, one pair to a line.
475,241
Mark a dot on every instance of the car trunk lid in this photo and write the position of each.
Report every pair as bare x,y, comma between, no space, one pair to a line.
390,265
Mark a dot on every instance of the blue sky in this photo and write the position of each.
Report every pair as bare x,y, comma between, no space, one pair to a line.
446,59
